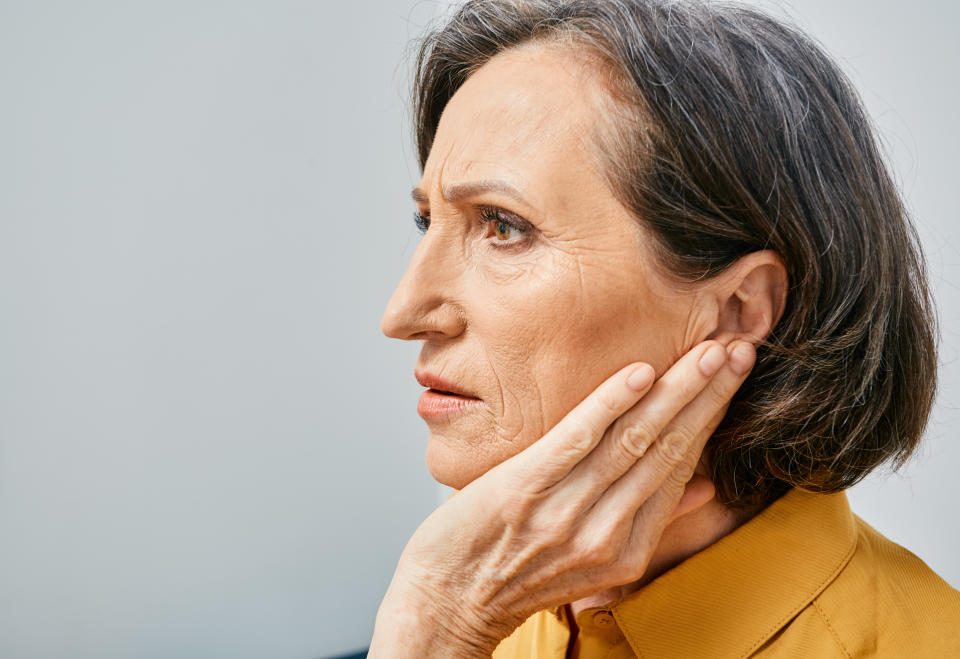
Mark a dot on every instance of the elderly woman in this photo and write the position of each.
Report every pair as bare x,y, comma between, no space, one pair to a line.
671,305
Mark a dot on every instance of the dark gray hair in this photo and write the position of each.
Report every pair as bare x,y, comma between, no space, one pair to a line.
731,132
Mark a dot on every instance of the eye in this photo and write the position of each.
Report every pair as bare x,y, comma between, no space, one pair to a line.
503,224
422,222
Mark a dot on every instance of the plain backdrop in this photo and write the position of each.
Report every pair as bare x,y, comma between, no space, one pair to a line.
207,447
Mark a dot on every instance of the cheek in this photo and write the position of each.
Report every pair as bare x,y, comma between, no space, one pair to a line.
514,325
555,333
600,324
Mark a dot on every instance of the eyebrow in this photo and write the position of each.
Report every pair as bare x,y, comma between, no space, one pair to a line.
457,191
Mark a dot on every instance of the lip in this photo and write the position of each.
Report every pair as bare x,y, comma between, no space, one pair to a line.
443,398
436,405
440,385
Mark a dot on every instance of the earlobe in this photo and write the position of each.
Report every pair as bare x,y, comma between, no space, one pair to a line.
698,492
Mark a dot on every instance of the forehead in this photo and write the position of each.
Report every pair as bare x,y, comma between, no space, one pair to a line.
526,114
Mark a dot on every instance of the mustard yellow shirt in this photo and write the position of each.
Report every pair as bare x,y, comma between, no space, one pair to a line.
804,578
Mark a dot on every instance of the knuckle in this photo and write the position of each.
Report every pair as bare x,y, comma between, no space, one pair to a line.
558,528
625,573
580,439
598,551
627,568
682,473
607,403
634,440
639,433
543,539
673,445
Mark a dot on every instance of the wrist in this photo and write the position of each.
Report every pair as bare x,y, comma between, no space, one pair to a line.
415,624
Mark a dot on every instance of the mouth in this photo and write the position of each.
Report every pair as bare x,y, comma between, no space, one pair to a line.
441,386
450,393
437,404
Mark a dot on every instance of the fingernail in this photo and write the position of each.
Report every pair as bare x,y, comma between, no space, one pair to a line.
741,359
640,378
712,360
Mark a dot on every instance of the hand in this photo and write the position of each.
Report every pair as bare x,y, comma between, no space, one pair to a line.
579,511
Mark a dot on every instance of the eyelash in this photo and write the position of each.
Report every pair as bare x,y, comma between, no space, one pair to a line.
421,222
487,214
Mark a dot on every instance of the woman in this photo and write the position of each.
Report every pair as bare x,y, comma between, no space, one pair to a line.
671,306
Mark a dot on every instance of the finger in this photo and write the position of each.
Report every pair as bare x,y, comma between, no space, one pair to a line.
631,435
616,549
650,520
552,457
683,439
689,430
674,456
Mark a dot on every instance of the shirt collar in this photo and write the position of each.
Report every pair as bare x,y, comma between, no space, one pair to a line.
730,598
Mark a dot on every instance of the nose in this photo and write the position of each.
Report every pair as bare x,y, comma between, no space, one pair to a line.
424,305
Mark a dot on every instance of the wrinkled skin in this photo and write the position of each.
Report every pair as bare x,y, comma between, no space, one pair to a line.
532,323
532,328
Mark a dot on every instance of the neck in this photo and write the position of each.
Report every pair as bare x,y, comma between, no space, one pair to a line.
682,538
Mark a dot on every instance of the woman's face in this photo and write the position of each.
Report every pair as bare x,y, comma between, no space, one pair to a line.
529,322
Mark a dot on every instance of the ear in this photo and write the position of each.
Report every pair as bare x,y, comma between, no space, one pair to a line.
750,297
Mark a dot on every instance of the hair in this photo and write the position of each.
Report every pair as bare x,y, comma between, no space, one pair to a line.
729,132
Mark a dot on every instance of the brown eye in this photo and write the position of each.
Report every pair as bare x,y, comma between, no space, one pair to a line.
503,227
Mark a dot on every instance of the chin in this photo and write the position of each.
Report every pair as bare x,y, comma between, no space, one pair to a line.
456,468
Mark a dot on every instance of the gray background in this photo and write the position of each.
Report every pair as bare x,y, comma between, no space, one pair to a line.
207,448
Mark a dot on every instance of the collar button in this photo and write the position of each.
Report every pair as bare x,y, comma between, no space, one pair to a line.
603,619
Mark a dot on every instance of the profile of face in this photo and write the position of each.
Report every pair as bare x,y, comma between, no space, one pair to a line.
532,284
